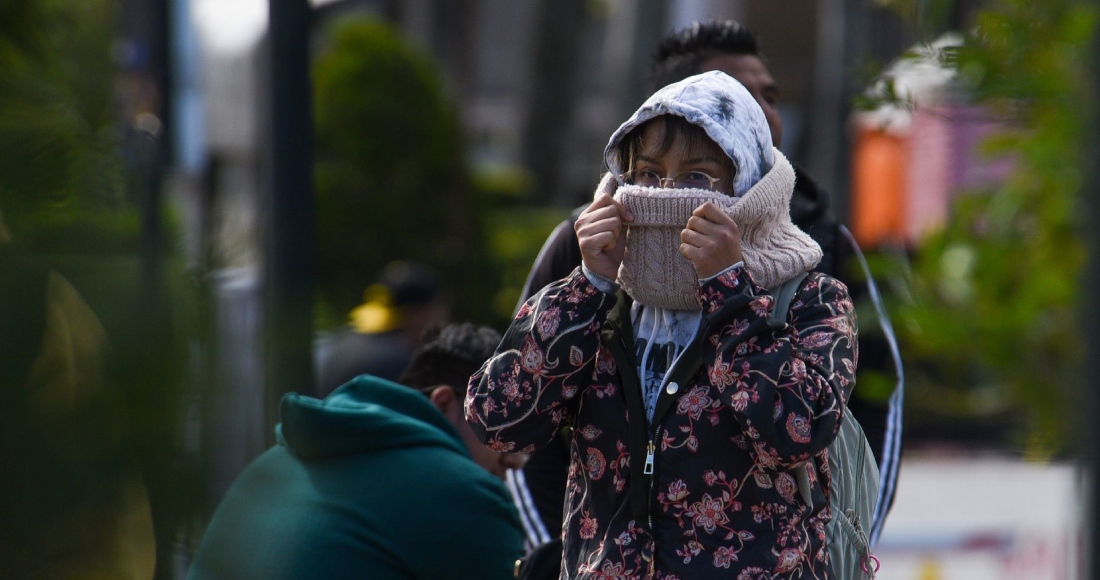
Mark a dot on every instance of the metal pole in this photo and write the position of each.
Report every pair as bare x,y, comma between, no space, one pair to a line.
289,260
1090,382
553,95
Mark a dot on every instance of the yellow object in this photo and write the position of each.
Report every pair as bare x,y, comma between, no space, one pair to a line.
377,313
930,570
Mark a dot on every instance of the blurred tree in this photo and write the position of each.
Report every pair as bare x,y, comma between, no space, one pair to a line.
59,143
390,174
995,292
70,192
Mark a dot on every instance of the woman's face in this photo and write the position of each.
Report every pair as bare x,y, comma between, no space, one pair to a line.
679,155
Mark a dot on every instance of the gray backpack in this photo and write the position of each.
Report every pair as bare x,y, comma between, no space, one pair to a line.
855,480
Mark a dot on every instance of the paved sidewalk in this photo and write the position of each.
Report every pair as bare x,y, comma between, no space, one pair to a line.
978,517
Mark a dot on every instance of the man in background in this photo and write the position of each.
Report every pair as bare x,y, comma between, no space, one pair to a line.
378,480
383,331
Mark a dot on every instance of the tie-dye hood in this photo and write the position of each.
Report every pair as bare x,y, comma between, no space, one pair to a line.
724,108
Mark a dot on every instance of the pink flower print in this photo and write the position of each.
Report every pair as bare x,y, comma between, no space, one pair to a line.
786,486
605,362
765,457
596,464
710,477
788,560
588,526
817,339
690,550
694,402
568,391
590,432
610,571
547,324
524,310
624,539
607,390
798,427
798,368
708,513
763,481
721,374
747,347
841,324
762,305
729,278
511,390
531,358
576,357
753,573
723,557
500,446
741,399
677,491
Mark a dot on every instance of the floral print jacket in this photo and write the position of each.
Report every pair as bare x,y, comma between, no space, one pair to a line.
707,490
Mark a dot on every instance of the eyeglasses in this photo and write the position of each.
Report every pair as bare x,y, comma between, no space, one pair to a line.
684,180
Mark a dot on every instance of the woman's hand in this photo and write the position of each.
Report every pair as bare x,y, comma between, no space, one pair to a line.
602,236
711,241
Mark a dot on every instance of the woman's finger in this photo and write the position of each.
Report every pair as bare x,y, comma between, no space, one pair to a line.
694,238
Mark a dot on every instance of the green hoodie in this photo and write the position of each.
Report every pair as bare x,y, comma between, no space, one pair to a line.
371,482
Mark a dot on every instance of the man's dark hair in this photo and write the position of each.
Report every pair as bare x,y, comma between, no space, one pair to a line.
448,356
682,52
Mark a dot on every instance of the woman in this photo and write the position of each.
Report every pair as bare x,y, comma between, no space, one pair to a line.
689,405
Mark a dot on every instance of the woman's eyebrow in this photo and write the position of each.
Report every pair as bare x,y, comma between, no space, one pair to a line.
703,159
647,159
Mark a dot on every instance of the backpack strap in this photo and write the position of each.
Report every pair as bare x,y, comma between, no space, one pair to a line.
784,295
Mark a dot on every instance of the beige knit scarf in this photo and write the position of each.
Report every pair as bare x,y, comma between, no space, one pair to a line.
654,273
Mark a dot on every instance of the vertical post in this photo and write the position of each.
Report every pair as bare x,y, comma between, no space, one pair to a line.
290,229
553,95
1090,305
841,45
1090,383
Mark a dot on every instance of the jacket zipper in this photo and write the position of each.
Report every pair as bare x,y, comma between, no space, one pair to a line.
651,449
651,446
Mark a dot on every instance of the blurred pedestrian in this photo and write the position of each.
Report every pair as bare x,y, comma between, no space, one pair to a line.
383,331
731,48
690,406
378,480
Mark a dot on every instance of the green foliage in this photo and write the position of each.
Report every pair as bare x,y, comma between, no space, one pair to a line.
993,320
517,235
390,177
58,143
70,205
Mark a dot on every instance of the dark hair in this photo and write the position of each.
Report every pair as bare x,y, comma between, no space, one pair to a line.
695,140
682,52
448,356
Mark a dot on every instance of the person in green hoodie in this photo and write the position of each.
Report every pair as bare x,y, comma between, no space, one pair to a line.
375,481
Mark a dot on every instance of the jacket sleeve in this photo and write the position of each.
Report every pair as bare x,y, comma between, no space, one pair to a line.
786,379
529,389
